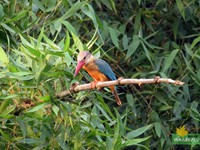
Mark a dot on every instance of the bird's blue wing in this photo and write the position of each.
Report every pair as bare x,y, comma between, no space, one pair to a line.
104,68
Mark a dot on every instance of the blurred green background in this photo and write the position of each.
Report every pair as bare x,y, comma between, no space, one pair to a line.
39,42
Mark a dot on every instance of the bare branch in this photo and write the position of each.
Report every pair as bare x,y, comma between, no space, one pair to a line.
76,88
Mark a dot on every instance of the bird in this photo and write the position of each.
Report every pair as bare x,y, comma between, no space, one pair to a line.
98,69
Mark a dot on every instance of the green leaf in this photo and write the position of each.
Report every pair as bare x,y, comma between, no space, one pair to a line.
51,43
68,59
38,107
77,42
70,28
114,37
157,127
67,43
74,8
32,52
45,98
93,40
3,56
15,75
188,50
10,29
29,141
104,113
89,11
55,109
170,59
147,53
21,73
112,3
135,141
194,43
116,131
165,107
130,99
19,16
8,97
37,68
39,39
58,25
125,42
107,4
6,113
177,109
4,105
133,46
137,132
1,11
175,28
181,8
194,110
39,4
137,23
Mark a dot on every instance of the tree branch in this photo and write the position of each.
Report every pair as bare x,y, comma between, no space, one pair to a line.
76,87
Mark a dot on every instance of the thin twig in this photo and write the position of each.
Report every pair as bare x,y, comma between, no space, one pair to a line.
76,88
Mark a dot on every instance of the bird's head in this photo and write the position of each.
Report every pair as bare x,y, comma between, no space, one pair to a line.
84,57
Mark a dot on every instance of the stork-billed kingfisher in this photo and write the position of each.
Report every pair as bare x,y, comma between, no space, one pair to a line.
98,69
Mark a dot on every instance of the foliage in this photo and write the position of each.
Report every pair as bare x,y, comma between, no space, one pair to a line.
140,39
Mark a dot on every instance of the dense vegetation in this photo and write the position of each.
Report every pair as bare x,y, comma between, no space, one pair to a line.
138,38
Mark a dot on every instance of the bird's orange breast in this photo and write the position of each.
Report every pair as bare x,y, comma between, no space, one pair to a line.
97,76
94,72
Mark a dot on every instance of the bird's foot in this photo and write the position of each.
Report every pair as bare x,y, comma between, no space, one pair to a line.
156,79
119,80
93,84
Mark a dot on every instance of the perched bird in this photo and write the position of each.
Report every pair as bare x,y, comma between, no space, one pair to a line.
98,69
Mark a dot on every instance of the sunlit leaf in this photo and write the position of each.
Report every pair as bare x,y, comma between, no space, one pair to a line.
137,132
67,42
55,109
3,57
73,10
7,27
4,105
38,107
136,141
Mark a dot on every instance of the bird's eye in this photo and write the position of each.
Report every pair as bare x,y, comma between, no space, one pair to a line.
84,57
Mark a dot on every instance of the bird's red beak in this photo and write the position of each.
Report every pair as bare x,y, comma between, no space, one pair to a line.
79,66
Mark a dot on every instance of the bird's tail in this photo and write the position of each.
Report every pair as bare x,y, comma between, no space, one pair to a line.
114,92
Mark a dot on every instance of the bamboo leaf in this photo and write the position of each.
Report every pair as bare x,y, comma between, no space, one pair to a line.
136,141
170,59
180,8
73,10
137,132
3,57
38,107
4,106
157,128
133,46
67,43
194,43
114,37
